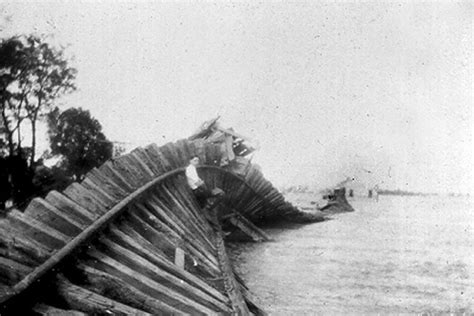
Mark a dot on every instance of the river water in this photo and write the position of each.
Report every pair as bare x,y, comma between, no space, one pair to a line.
397,255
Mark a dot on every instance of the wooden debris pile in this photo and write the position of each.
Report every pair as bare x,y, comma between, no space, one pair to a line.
131,238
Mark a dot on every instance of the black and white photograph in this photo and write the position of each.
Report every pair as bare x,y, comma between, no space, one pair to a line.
236,157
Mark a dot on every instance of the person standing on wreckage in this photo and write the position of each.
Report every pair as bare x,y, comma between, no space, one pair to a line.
197,185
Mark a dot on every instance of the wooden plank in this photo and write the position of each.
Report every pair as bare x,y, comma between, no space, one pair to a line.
144,157
85,198
135,170
108,170
12,271
15,245
180,150
46,310
134,276
195,263
154,152
124,232
216,154
177,224
108,200
141,164
142,247
187,200
92,303
215,137
218,181
249,195
168,151
66,205
177,240
262,206
235,295
148,269
157,230
200,150
46,213
229,141
157,236
200,235
107,184
187,220
37,231
208,158
248,228
179,258
160,216
185,148
16,254
113,287
164,161
192,148
152,221
124,169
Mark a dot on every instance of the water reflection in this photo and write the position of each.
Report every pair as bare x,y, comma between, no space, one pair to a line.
400,255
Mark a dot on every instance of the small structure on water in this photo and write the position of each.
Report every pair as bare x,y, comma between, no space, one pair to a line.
337,202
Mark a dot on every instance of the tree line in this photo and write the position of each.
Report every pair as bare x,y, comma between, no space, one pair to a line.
34,75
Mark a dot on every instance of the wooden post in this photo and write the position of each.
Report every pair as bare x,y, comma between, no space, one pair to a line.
179,258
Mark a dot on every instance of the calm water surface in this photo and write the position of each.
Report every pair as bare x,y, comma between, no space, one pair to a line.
397,255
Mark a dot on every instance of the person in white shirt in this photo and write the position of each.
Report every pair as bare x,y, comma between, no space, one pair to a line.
191,174
196,184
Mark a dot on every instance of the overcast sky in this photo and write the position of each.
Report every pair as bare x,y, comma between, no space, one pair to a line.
379,91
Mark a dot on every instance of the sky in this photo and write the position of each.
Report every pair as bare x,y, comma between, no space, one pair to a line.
381,92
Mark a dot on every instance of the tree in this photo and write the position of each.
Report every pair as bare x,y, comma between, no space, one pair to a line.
33,74
11,102
78,138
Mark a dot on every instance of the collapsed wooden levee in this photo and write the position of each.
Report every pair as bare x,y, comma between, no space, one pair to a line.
131,238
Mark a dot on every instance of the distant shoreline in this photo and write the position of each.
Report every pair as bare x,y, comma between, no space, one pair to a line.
404,193
409,193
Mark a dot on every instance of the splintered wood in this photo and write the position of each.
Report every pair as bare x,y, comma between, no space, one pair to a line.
131,238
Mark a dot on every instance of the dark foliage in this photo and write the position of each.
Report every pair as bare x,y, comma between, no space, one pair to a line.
78,138
46,179
33,74
15,180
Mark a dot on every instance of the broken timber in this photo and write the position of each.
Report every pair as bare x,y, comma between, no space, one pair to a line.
246,227
131,238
